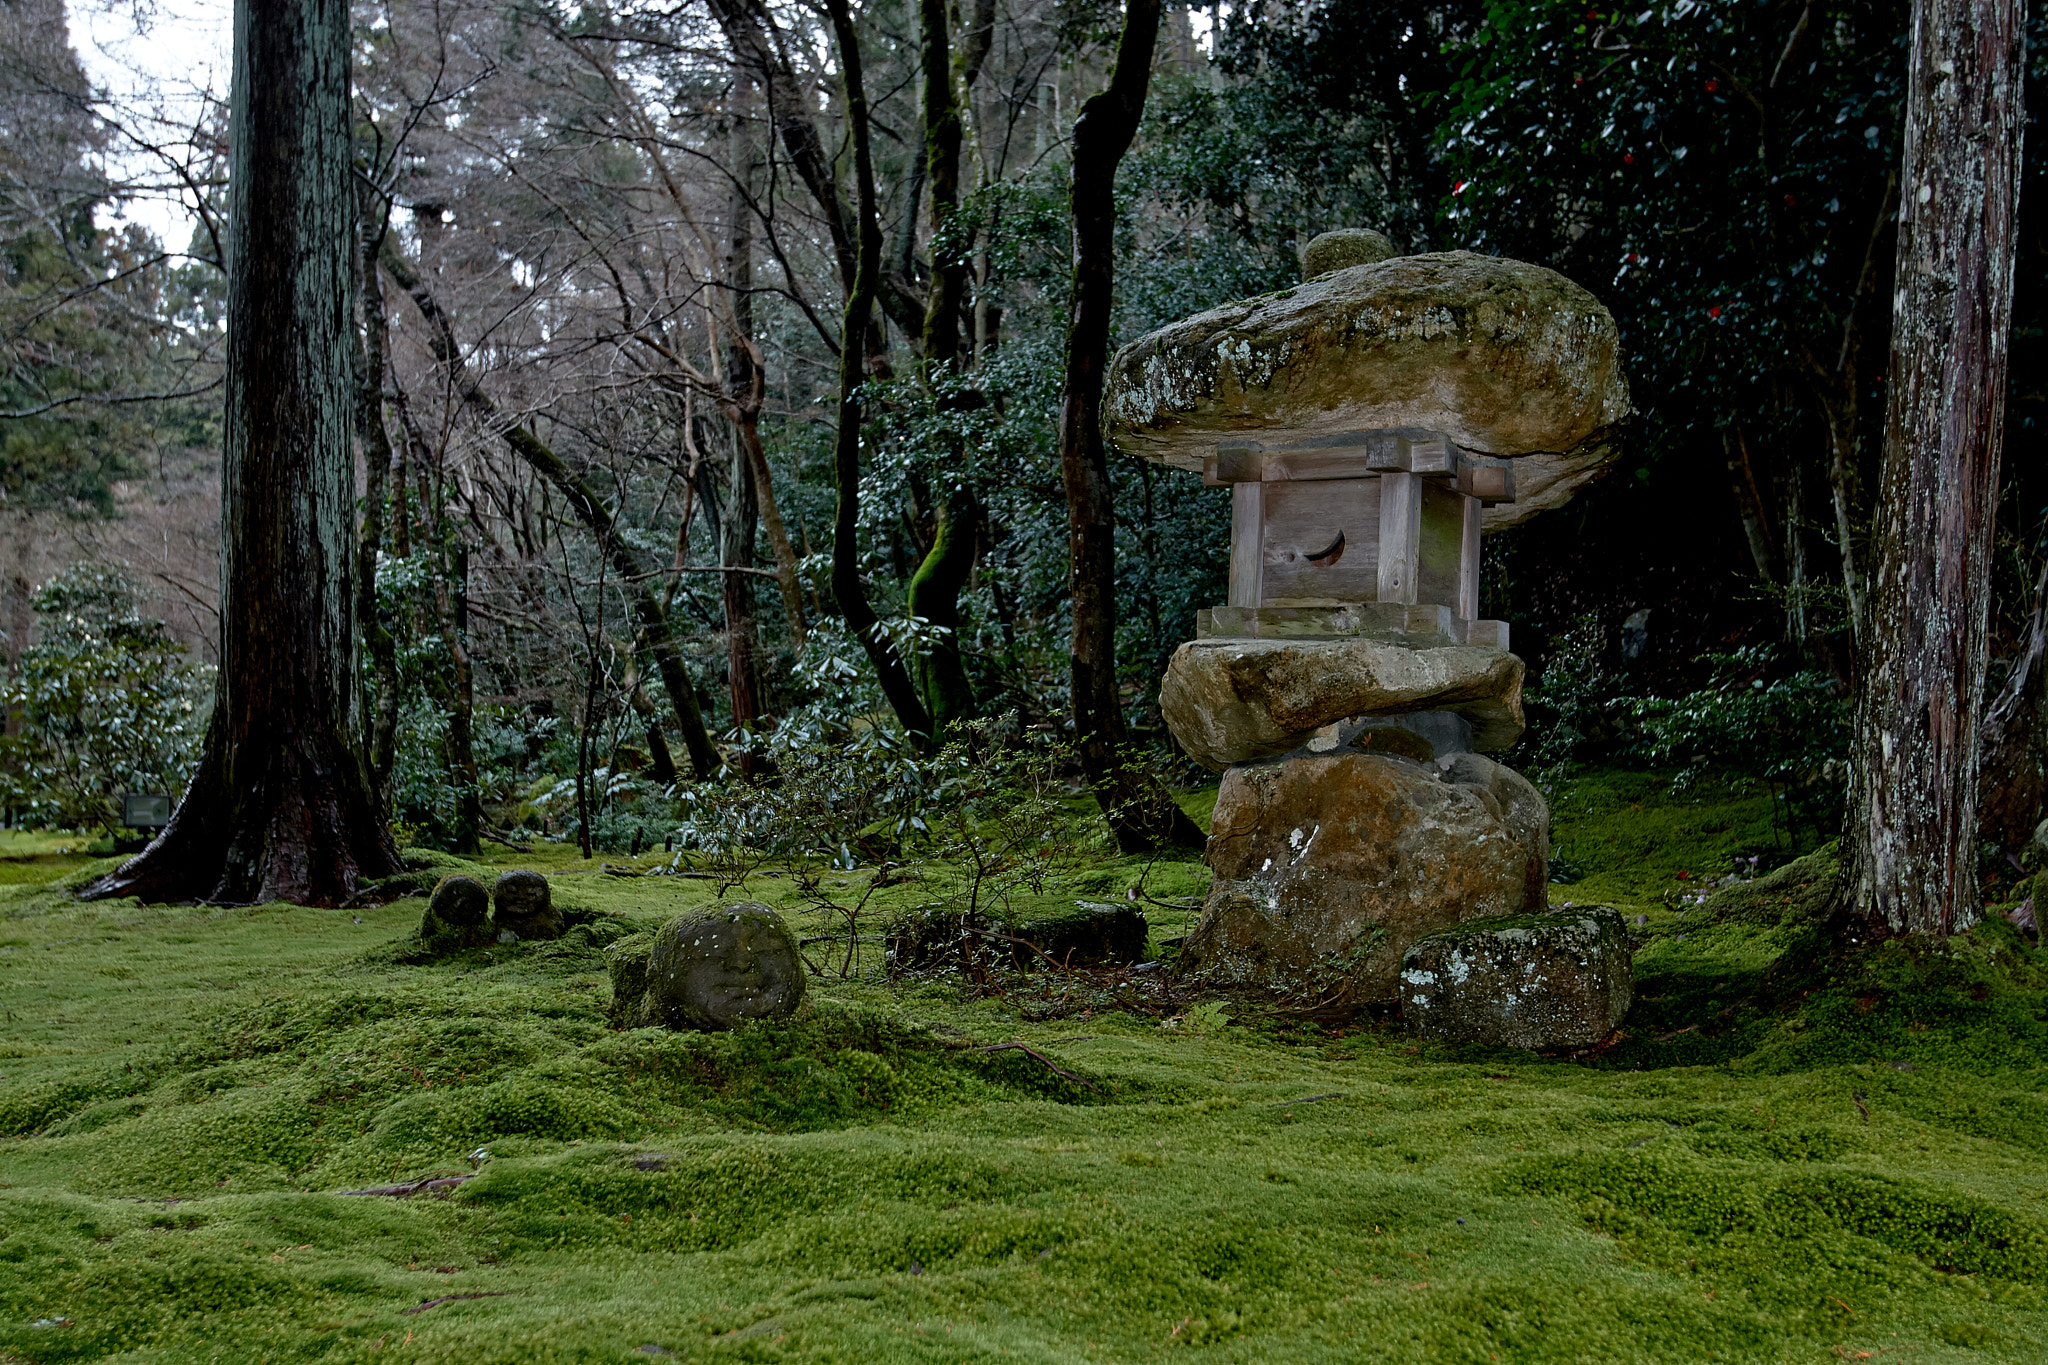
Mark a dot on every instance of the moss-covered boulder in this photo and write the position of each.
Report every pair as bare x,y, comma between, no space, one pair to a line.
1328,866
718,968
1082,934
525,906
1545,982
626,962
457,916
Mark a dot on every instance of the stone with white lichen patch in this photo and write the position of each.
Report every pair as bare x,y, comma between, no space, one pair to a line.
1503,357
718,968
1328,865
1545,982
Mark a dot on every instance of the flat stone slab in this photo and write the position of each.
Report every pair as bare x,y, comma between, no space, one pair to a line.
1545,982
1328,865
1506,358
1233,700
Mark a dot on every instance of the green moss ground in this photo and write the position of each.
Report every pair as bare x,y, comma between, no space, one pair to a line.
1776,1163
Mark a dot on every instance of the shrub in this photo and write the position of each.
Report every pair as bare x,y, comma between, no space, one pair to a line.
107,702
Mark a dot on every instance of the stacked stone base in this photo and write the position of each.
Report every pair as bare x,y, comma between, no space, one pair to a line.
1329,865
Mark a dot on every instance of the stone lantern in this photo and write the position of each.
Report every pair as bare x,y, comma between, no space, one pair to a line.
1370,425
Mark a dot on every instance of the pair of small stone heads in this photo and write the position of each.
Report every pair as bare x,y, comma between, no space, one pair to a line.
463,914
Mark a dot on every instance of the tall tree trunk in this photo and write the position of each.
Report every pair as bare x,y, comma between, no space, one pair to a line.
1912,836
759,47
936,586
742,518
282,806
846,585
451,601
2014,763
634,572
1141,813
380,461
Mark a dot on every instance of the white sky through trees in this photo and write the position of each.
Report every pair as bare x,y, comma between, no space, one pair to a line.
158,62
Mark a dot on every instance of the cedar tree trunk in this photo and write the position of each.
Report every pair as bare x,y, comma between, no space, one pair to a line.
1140,812
1911,864
282,806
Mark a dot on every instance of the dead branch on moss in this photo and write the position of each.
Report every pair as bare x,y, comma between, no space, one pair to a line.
432,1184
1036,1055
452,1298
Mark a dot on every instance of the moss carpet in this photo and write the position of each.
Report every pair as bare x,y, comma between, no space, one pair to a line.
1849,1166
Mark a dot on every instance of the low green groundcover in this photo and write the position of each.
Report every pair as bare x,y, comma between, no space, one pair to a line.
1784,1158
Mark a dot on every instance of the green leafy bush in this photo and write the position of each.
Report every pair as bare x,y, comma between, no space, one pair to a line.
1786,728
107,701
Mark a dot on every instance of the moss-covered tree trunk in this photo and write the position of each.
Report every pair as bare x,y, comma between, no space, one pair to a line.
847,589
1912,837
282,806
1140,812
936,586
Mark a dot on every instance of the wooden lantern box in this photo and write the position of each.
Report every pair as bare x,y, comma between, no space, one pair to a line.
1372,534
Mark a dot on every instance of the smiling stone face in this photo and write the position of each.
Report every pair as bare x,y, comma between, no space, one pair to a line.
1505,358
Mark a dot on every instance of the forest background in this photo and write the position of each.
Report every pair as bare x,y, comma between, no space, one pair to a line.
603,255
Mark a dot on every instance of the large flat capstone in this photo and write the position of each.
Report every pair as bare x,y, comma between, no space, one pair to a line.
1545,982
1329,865
1231,700
1504,357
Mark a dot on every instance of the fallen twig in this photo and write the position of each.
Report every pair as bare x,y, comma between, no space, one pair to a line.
431,1184
501,839
1307,1099
1857,1100
451,1298
1034,1053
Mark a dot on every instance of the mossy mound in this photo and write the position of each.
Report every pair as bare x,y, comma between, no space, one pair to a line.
187,1094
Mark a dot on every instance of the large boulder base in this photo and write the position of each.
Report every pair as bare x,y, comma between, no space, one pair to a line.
525,906
1229,701
718,968
456,916
1544,982
1506,358
1329,865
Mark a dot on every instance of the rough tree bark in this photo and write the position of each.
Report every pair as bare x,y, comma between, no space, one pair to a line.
742,518
1141,813
589,507
380,460
282,806
1911,864
846,585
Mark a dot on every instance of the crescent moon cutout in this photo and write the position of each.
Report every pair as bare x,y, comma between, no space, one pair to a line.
1323,559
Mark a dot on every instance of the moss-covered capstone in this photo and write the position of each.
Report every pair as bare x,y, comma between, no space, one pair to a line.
1544,982
525,906
457,916
718,968
1342,249
1504,357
